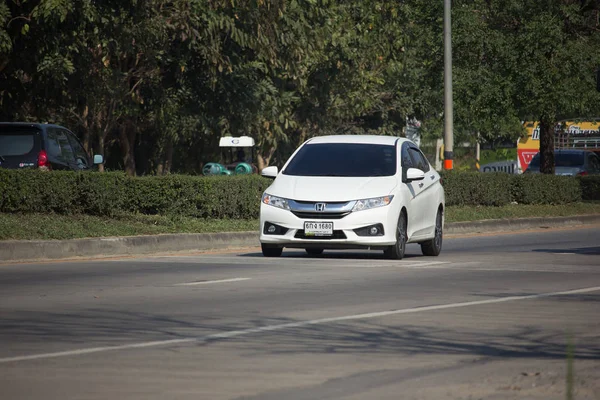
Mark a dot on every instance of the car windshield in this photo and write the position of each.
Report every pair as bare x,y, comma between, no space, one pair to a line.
343,159
561,160
16,143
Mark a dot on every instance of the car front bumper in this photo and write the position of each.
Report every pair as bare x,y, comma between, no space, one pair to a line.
345,236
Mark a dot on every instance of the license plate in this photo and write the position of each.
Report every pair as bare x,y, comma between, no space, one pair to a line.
318,228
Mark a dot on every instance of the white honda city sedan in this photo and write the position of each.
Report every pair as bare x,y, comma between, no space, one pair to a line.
353,192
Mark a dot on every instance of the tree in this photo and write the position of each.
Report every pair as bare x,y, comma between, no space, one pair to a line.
552,64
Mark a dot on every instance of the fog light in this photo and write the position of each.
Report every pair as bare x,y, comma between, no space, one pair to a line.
274,229
370,230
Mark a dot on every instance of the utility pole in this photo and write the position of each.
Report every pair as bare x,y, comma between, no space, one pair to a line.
448,107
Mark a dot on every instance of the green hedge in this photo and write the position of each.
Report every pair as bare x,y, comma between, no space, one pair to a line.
111,193
474,188
497,189
590,187
107,194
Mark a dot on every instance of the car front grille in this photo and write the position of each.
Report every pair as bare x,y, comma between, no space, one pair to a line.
320,215
336,235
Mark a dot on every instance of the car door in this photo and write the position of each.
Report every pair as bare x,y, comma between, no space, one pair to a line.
413,192
82,160
58,148
426,205
593,167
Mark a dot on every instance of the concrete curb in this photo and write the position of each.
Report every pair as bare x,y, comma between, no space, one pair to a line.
35,250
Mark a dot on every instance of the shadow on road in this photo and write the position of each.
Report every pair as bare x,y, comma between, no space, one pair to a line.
581,250
101,327
412,253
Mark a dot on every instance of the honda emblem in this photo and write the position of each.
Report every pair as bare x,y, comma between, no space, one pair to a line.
320,207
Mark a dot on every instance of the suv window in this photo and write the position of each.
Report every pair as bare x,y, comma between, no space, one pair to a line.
16,144
406,159
58,147
419,160
343,159
81,158
561,159
594,163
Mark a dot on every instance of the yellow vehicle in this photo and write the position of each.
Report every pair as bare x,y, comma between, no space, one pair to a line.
583,135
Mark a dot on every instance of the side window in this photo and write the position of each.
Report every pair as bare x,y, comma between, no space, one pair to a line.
594,163
406,159
58,147
419,159
81,157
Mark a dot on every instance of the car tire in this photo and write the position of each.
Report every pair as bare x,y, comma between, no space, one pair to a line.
433,247
271,251
314,252
396,251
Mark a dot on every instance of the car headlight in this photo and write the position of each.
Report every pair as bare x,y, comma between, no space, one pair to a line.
375,202
275,201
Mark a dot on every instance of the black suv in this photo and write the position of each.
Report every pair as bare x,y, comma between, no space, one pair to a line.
43,146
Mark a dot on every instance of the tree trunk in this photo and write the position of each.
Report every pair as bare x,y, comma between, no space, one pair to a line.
263,159
87,145
100,150
168,158
127,140
547,145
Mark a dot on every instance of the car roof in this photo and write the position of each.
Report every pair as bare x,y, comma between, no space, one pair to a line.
363,139
31,124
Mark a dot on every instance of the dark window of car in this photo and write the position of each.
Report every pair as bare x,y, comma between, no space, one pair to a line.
343,159
81,157
419,160
594,163
16,143
58,147
561,160
406,159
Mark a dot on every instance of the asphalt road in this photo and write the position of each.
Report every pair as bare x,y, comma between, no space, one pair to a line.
490,318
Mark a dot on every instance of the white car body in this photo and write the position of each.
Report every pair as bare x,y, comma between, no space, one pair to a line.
300,199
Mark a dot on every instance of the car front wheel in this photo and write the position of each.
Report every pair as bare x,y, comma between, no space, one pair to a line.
433,247
396,251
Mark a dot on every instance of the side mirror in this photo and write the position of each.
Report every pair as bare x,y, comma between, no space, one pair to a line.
414,174
98,159
270,172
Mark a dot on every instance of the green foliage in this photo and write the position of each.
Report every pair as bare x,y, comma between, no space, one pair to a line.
590,187
238,197
473,188
152,85
497,189
109,194
546,189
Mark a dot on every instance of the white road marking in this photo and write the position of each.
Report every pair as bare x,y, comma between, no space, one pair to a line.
209,282
270,328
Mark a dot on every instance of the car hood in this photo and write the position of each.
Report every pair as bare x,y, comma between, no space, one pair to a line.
326,188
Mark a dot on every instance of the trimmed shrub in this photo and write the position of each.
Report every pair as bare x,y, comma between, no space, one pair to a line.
590,187
238,197
545,189
474,188
110,193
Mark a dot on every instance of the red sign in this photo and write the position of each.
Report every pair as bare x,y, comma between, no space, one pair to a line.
525,157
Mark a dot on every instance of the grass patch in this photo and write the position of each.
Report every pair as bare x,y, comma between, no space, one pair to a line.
474,213
56,226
